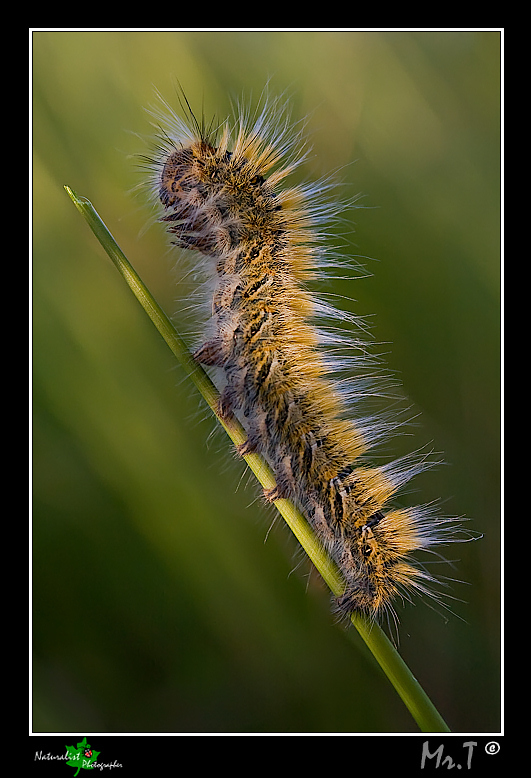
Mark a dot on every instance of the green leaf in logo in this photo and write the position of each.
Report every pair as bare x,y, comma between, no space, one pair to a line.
82,756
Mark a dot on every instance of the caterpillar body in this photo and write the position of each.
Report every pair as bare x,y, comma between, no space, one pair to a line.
223,194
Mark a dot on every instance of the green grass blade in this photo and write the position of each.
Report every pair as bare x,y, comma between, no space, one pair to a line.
401,677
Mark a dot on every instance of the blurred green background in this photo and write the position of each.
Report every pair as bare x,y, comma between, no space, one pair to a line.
159,603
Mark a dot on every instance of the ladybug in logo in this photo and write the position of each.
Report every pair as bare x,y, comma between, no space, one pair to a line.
88,752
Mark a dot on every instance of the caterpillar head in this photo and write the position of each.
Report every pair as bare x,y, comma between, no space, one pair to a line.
376,562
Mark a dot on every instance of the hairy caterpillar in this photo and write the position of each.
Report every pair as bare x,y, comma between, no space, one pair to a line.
223,194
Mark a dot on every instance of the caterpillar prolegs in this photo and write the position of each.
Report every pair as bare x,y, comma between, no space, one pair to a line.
224,196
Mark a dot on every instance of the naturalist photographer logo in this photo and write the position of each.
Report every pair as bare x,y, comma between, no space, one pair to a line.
81,757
